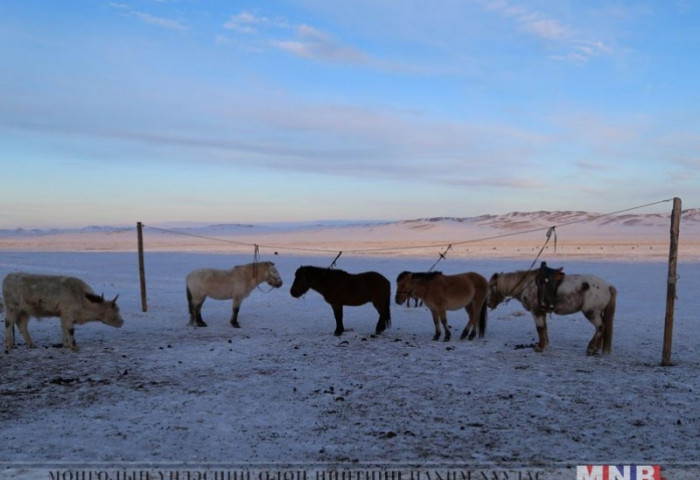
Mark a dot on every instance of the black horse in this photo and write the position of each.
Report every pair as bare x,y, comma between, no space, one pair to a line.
340,288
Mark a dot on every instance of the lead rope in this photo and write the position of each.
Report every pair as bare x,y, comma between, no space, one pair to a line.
442,256
332,265
550,231
256,261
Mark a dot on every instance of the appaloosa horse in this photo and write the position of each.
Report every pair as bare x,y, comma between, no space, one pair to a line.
576,293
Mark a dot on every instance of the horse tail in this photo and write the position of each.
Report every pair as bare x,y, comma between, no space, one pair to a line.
483,316
190,305
608,317
387,309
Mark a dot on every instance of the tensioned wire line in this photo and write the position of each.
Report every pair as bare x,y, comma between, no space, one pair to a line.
413,247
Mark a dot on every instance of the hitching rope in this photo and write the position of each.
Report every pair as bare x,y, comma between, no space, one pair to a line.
415,247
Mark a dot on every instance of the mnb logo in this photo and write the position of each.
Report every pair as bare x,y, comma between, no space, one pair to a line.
619,472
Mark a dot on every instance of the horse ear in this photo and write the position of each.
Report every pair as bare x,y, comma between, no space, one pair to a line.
114,302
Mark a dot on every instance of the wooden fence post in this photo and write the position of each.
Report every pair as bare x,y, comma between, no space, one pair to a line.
672,277
142,267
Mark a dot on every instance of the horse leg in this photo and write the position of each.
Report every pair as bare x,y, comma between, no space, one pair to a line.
198,320
436,321
443,318
541,324
470,329
234,316
597,340
384,311
338,313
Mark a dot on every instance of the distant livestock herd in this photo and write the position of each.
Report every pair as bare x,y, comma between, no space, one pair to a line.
540,292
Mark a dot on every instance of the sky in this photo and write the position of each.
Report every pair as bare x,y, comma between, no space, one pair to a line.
113,112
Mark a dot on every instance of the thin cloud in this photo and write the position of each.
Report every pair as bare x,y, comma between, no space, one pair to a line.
160,21
590,166
244,22
541,26
250,23
316,45
583,51
306,41
550,29
518,183
531,21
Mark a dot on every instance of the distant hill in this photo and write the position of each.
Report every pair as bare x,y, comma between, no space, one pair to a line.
513,221
528,220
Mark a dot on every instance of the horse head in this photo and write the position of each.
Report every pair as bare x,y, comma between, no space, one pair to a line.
495,295
403,287
301,283
273,277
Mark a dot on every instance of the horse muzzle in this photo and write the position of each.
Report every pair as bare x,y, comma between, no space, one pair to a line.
296,293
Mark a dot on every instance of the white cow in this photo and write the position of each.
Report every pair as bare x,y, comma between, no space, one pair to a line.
28,295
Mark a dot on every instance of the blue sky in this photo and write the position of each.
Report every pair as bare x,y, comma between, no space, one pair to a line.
113,112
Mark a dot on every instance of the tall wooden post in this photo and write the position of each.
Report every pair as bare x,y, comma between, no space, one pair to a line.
671,290
142,267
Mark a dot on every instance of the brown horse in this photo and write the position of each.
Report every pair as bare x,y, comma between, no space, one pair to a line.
448,292
585,293
340,288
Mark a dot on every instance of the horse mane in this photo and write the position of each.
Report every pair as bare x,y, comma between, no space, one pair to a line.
511,280
245,266
425,275
322,269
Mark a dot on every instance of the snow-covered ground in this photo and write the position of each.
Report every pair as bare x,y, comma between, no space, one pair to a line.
282,390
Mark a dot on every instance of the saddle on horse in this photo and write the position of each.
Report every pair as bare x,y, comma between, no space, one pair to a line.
548,280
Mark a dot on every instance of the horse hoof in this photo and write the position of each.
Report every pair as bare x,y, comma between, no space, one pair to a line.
338,333
235,325
201,324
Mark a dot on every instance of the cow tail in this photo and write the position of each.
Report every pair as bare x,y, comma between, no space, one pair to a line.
608,318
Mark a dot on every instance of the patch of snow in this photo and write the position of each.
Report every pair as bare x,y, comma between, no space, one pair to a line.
283,390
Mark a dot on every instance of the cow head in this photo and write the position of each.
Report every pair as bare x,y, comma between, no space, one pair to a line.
106,311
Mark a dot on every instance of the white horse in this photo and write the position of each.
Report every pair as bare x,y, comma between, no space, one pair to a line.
236,283
591,295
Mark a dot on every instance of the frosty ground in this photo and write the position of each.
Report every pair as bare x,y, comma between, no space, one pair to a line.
284,390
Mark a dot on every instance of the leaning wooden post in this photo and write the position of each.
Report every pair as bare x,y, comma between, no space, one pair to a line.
142,267
671,290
